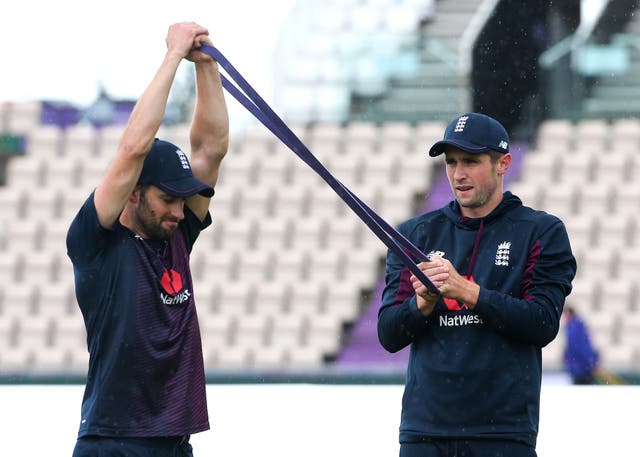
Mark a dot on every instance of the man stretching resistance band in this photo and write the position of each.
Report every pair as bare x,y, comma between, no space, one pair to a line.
130,244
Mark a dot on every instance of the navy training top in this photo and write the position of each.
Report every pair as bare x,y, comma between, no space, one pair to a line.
476,374
146,372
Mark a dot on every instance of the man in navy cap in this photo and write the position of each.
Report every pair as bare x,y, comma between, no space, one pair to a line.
130,244
503,271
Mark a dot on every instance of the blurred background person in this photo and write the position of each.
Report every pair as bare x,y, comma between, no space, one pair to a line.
580,356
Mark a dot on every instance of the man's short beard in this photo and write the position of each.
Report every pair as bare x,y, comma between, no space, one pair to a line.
480,201
146,219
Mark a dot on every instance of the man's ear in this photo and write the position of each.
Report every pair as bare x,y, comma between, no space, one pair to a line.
503,163
135,195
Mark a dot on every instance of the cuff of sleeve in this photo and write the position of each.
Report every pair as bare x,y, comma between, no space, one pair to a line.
484,299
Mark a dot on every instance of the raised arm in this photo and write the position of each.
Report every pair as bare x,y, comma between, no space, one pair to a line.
122,175
210,127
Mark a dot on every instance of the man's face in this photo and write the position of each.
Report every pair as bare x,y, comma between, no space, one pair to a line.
157,213
475,180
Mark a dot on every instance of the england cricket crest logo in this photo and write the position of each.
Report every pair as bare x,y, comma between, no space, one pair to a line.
461,124
183,159
502,254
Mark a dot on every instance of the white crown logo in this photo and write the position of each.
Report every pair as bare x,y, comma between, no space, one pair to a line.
504,245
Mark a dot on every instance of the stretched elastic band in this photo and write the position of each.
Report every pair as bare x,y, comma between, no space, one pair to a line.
252,101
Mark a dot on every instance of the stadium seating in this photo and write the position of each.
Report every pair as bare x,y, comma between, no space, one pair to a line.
276,225
582,171
282,272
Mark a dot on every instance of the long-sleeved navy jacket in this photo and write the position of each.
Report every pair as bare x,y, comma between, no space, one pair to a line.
477,373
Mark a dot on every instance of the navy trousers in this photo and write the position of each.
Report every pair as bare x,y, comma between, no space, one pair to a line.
105,446
466,448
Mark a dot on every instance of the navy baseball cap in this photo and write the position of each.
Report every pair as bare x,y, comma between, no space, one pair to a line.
474,133
168,168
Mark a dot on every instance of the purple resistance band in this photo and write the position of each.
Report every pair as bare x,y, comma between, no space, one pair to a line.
394,240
